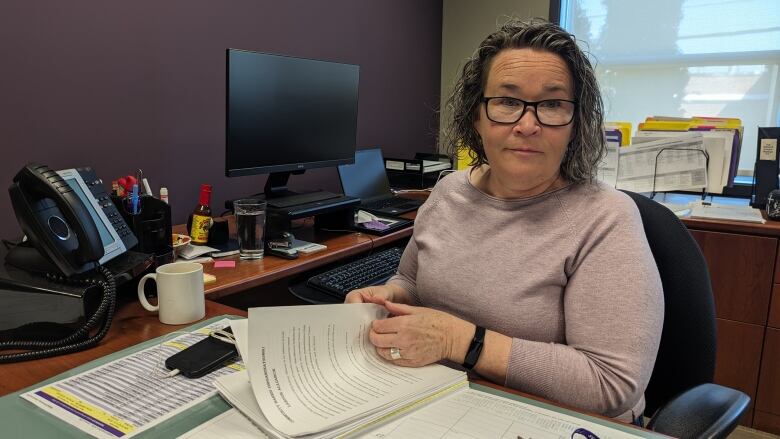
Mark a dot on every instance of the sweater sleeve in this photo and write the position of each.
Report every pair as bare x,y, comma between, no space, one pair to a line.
613,309
407,272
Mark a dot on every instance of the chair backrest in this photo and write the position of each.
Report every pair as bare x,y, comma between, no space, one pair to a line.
686,356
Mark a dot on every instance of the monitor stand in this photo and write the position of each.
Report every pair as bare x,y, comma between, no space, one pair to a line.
276,185
277,195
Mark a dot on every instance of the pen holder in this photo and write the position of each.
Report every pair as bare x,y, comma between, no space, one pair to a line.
152,227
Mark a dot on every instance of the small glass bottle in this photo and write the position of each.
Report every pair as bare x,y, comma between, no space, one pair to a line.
201,217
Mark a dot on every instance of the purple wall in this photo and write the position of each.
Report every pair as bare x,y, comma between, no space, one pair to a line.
125,85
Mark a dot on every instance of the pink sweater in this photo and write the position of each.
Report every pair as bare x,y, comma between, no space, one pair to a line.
567,274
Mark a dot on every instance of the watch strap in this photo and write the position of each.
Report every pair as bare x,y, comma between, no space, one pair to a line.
475,348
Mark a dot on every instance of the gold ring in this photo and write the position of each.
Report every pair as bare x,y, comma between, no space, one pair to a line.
395,353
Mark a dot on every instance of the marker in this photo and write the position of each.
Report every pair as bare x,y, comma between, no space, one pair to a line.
147,189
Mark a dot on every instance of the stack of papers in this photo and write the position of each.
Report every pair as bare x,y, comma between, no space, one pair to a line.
722,140
667,164
131,394
312,372
191,251
465,413
726,212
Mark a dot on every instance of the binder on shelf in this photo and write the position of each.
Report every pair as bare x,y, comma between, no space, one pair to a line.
418,173
766,169
623,129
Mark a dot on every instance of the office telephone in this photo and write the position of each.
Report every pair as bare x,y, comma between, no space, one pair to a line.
72,228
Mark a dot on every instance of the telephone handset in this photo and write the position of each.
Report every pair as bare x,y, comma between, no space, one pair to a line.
70,228
55,220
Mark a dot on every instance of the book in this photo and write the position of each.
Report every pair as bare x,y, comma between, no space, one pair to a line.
312,372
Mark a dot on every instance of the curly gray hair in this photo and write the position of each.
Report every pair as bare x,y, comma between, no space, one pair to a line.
587,146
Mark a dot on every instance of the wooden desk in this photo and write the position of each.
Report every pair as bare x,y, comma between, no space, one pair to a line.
745,272
250,274
132,324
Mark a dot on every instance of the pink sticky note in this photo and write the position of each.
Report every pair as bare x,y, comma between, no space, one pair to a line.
224,264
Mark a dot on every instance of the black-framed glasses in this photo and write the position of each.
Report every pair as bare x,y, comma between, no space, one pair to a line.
549,112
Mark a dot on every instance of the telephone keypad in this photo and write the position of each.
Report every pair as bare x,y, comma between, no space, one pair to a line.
95,185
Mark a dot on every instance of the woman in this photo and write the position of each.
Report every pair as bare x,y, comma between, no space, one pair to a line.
524,268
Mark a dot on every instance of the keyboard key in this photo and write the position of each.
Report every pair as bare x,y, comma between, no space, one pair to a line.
370,270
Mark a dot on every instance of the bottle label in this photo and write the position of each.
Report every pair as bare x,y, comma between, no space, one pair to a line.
200,229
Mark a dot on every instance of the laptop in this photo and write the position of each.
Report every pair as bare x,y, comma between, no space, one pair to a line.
366,179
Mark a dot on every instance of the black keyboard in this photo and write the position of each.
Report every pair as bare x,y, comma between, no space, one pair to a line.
294,200
370,270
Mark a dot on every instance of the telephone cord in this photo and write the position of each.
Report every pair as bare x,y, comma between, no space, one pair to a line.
76,341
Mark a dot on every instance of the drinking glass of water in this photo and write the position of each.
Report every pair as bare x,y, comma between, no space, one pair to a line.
250,222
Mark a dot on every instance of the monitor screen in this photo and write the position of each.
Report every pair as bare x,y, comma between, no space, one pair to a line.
288,114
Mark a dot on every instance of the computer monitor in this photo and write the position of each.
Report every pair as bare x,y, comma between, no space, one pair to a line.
286,115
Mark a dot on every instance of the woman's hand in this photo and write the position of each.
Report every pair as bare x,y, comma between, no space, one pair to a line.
378,294
422,335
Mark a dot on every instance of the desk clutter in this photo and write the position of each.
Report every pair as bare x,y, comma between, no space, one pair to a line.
58,286
421,172
714,211
136,393
131,394
672,154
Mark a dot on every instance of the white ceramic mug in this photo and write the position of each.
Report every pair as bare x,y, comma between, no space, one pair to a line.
180,296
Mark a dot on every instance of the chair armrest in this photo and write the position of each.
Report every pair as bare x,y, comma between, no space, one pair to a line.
705,411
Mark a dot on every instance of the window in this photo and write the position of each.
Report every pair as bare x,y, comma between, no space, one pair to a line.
684,58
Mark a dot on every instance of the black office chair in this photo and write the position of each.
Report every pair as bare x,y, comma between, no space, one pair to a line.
681,398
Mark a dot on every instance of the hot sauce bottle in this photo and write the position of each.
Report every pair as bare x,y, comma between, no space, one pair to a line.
201,217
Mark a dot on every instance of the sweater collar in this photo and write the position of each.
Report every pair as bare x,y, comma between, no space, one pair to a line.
473,191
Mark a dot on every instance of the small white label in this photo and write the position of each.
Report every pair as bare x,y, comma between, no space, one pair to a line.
397,166
768,149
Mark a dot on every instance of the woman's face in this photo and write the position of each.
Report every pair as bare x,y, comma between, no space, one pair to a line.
525,157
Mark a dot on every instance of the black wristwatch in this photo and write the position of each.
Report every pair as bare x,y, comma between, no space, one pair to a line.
475,348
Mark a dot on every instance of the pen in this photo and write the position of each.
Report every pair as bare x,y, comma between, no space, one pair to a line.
134,200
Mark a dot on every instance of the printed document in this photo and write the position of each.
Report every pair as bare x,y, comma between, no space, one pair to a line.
465,413
718,145
131,394
676,163
472,413
726,212
311,371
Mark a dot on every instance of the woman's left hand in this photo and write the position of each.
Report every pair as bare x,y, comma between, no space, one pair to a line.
422,335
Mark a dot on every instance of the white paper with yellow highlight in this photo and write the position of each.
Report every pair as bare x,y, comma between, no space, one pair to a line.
131,394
